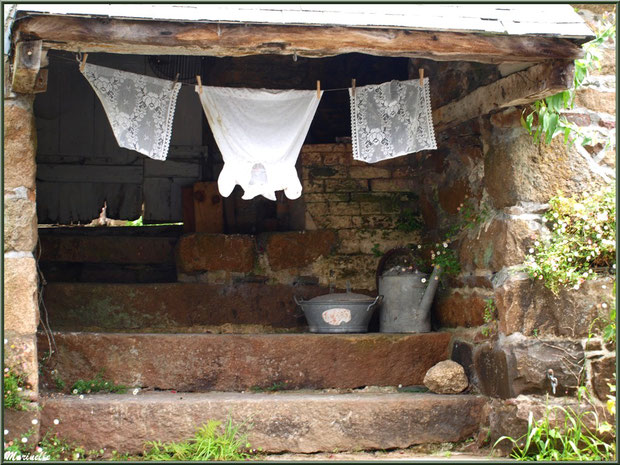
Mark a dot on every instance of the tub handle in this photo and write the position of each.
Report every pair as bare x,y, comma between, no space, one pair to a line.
297,301
377,301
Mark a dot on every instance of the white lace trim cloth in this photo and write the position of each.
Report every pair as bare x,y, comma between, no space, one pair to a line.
260,133
391,119
140,108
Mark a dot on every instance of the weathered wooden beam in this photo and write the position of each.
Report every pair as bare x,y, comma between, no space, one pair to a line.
534,83
26,66
178,38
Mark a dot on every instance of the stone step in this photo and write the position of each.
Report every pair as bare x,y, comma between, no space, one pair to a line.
236,362
75,272
281,422
134,306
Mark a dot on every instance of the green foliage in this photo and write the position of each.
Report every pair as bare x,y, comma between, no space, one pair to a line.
489,315
583,238
97,384
277,386
568,440
609,331
138,222
376,251
544,119
50,447
409,221
13,385
208,443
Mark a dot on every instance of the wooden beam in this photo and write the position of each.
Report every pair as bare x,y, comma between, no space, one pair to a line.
178,38
26,66
534,83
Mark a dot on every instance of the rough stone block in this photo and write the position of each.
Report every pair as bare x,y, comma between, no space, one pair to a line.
346,185
592,99
336,222
298,249
515,169
393,185
20,223
369,172
20,422
492,372
344,208
462,353
501,243
530,359
21,310
108,249
312,186
76,306
235,362
209,252
463,307
453,195
526,306
20,353
446,377
20,142
311,158
602,373
294,422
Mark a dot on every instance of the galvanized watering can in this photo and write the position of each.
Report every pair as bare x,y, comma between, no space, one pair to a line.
407,299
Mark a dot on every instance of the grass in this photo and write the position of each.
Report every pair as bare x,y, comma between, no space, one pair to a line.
571,440
97,384
208,443
13,385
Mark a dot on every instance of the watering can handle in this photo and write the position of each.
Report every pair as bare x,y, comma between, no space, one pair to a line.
298,301
377,301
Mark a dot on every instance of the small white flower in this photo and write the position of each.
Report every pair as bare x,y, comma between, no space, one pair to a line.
135,391
81,396
35,421
604,287
604,305
531,250
24,440
75,391
576,286
6,431
6,370
39,449
555,214
6,341
570,259
445,245
419,246
536,243
19,389
613,266
400,386
56,421
423,280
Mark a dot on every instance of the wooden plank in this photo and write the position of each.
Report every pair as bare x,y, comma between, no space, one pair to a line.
208,208
157,205
90,173
523,87
187,206
157,168
26,66
160,37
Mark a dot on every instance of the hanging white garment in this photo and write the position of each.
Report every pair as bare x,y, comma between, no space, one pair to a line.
140,108
260,133
391,119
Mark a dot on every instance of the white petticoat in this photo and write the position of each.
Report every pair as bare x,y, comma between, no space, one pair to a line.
259,133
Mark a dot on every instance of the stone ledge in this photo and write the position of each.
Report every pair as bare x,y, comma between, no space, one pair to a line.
293,422
234,362
298,249
207,252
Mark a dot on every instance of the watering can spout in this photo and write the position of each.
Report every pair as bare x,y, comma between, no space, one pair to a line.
429,293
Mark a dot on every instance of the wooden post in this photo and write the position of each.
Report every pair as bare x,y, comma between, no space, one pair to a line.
26,66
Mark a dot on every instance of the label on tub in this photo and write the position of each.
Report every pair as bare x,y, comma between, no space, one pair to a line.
336,316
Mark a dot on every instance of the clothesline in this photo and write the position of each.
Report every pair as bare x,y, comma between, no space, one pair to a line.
339,89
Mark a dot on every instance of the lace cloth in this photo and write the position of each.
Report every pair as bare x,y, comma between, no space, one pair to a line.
391,119
140,108
260,133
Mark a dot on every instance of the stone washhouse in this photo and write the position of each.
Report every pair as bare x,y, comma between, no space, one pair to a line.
201,316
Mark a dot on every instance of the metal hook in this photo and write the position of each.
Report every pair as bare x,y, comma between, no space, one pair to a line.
553,380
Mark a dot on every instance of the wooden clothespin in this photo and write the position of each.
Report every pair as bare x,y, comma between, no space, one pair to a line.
353,82
318,89
421,77
199,83
176,79
83,62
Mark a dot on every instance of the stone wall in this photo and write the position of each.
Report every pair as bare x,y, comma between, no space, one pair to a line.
20,299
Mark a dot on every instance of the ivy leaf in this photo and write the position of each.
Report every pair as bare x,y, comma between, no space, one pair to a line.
552,122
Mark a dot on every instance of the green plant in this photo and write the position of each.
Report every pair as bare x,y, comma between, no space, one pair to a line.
208,443
97,384
409,221
376,251
13,385
277,386
50,447
544,119
488,316
583,238
550,439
